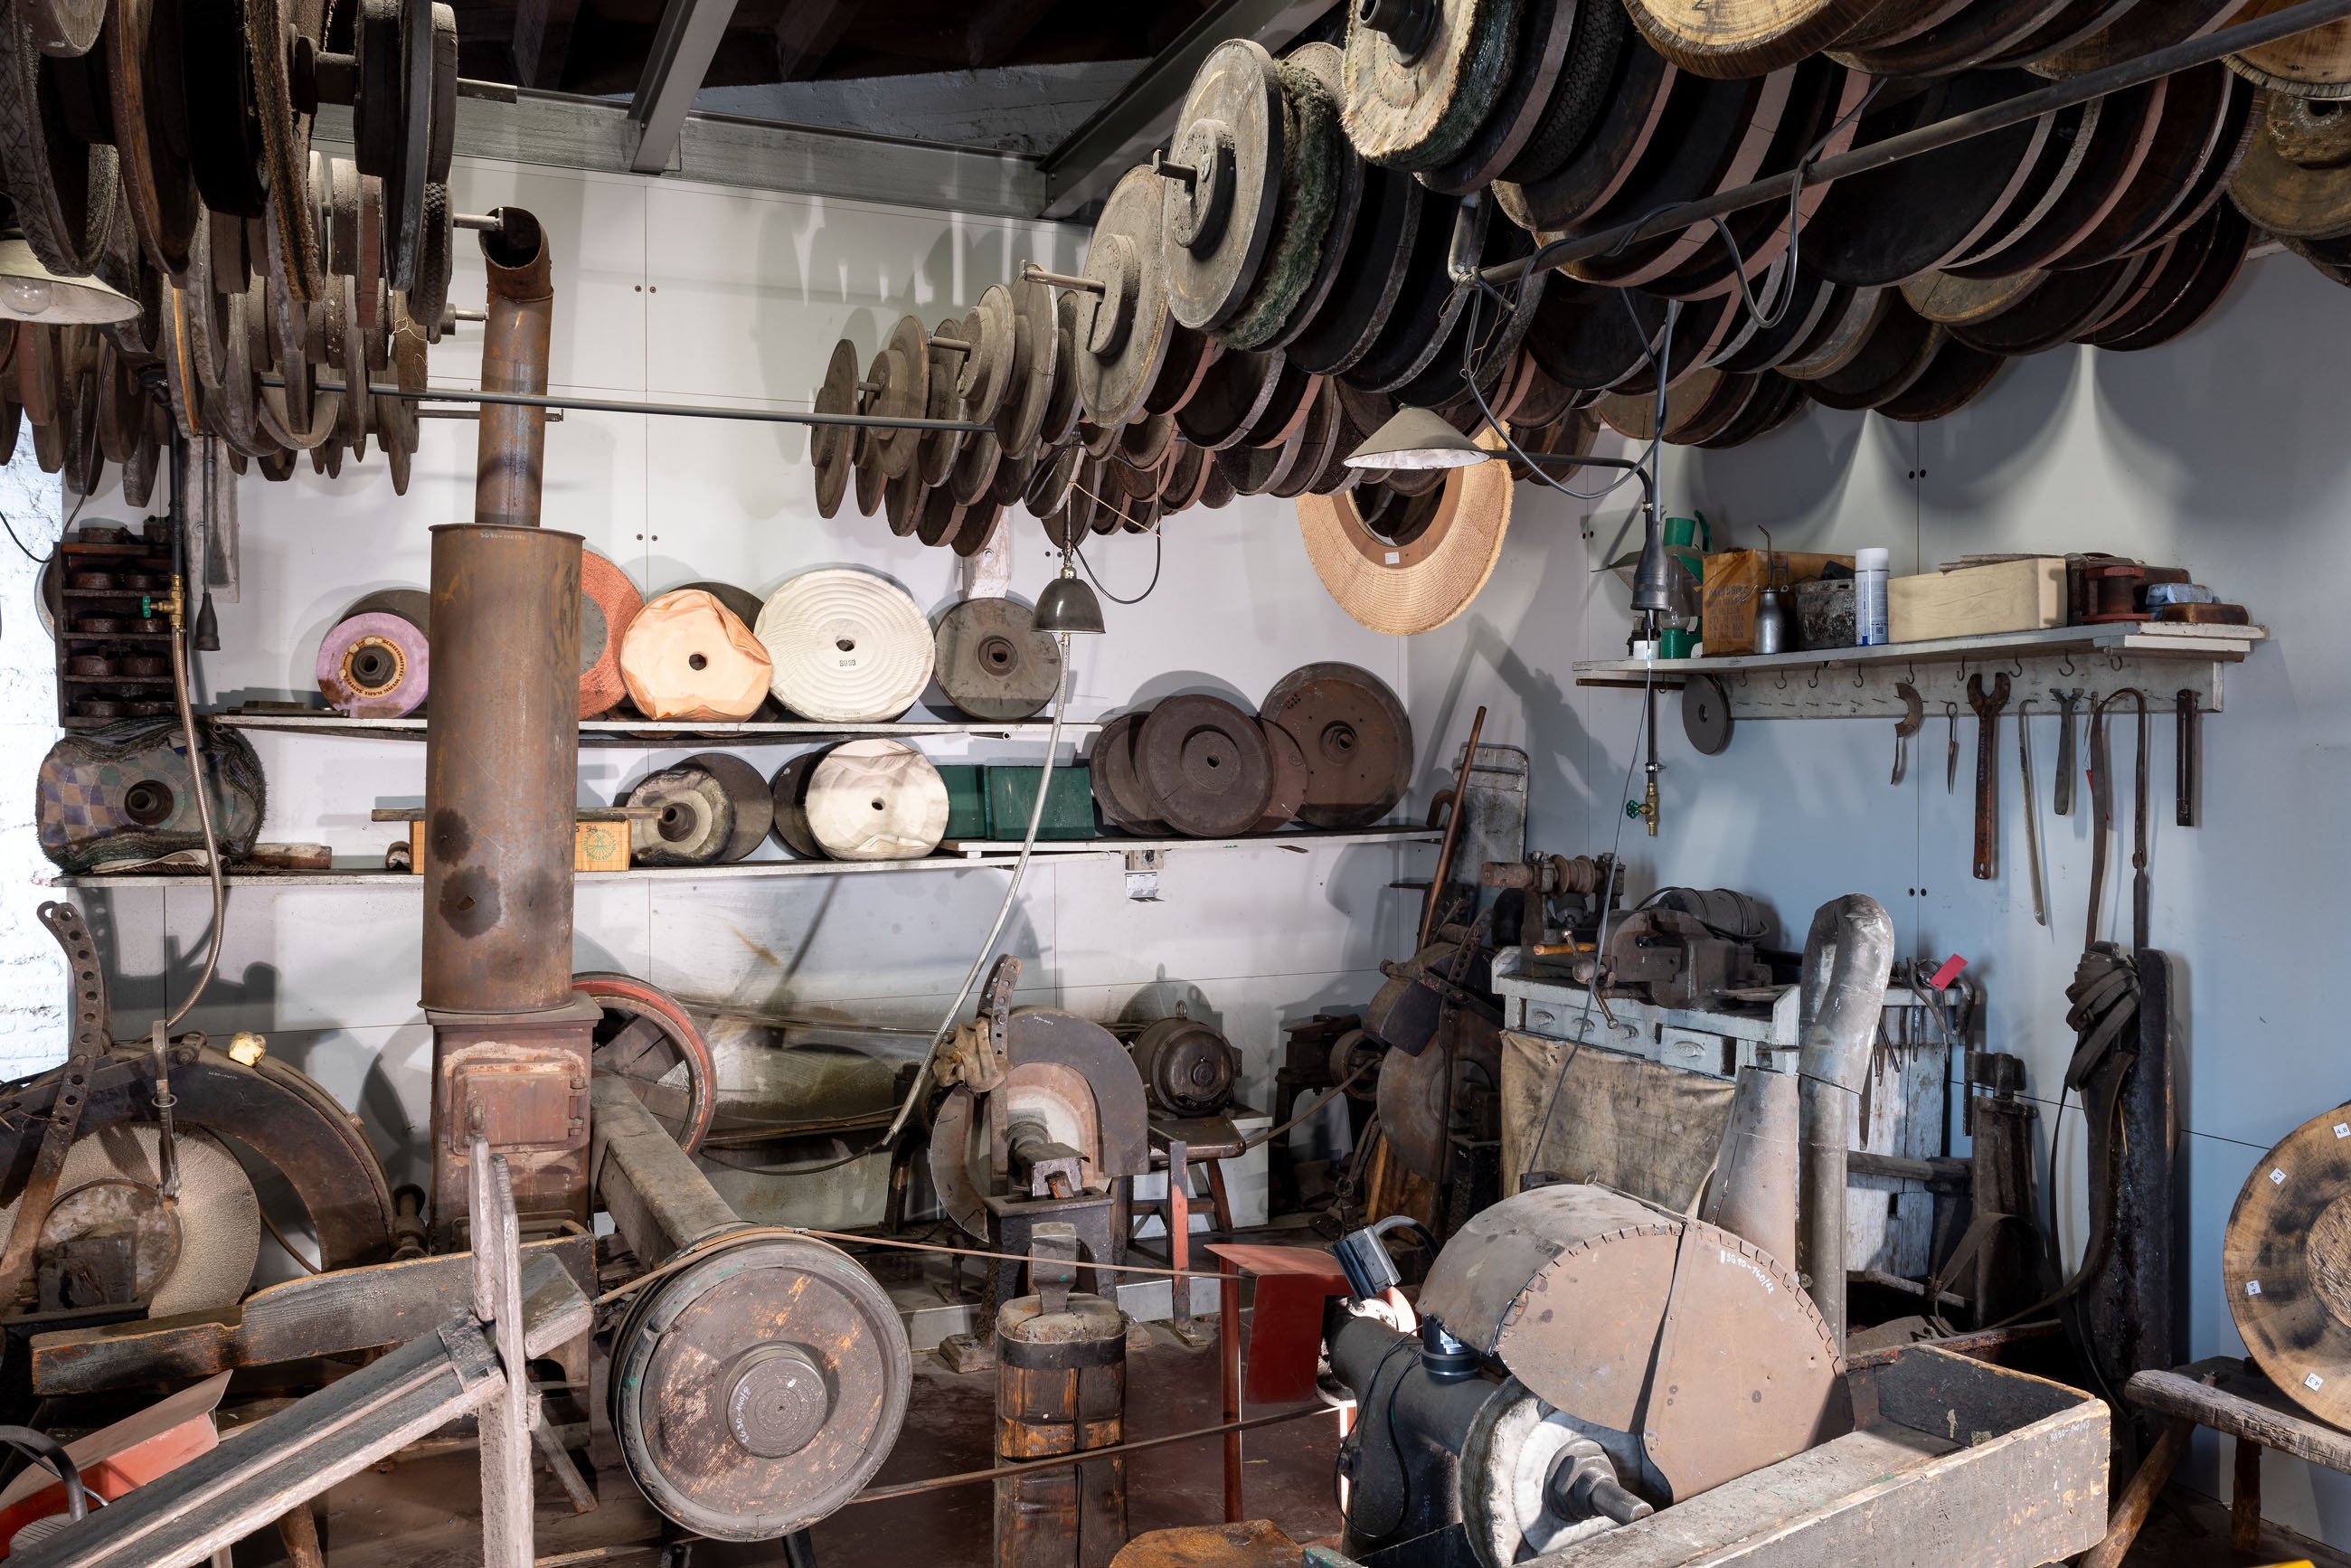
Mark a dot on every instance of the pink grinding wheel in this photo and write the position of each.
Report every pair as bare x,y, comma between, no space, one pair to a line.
374,667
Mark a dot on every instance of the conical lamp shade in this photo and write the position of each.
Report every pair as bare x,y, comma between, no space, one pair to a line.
1417,438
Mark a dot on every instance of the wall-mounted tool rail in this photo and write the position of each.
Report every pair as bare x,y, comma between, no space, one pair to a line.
2161,659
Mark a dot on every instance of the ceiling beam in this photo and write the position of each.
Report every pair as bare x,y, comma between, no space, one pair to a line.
683,45
1122,132
808,31
542,38
998,26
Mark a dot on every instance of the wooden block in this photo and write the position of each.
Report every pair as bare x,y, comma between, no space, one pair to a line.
2026,595
600,842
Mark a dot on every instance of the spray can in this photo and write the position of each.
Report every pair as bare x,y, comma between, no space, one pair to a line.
1869,621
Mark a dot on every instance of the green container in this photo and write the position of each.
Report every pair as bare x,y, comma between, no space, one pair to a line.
1068,802
966,800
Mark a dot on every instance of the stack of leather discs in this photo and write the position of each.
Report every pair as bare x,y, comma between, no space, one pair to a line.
1330,746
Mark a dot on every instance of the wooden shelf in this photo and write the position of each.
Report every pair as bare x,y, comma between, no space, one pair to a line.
962,854
649,732
2157,658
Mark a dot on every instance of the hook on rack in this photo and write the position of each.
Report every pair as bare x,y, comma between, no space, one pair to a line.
2115,660
1860,682
2018,659
1813,682
2067,667
1783,681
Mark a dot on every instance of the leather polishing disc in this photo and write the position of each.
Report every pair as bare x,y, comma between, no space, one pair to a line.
1122,330
1415,96
1705,714
875,801
1205,764
1420,569
1218,216
746,792
848,647
696,825
2281,1257
1356,738
1288,795
993,664
833,447
375,664
687,655
609,603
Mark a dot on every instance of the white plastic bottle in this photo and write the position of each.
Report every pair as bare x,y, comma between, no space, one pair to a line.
1869,597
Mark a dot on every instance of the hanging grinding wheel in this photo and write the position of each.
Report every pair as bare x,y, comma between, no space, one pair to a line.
1745,39
1956,377
1422,569
2313,64
833,447
1205,765
66,188
608,605
376,661
2222,256
1545,29
2193,129
2296,181
1975,35
1021,414
1351,175
993,662
1371,275
1422,76
190,1252
647,1038
749,1445
1957,301
875,800
715,809
2127,124
2067,304
1596,168
1118,789
687,655
1314,159
1217,216
1356,736
1124,327
847,646
1896,354
1722,132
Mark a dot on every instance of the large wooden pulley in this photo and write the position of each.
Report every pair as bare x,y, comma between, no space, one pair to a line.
712,808
1205,764
1355,738
648,1039
687,655
873,801
993,662
1422,76
1118,787
831,447
1224,183
1123,318
2286,1261
847,646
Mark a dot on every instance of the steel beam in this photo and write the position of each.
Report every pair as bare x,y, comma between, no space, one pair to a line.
1122,132
680,58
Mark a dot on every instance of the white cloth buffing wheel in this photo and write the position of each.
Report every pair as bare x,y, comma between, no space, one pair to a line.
876,800
849,647
687,655
201,1263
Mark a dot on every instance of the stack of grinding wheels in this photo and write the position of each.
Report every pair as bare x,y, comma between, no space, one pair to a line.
1268,289
1330,746
166,149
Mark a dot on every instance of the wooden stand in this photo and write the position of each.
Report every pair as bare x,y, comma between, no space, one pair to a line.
2228,1396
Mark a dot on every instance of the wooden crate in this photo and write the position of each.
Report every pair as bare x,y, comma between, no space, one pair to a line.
2023,595
598,842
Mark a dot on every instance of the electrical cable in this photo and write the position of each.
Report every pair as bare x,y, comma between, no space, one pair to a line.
182,631
1158,558
47,1451
41,560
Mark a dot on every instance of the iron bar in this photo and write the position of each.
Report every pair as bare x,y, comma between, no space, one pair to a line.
2298,18
689,411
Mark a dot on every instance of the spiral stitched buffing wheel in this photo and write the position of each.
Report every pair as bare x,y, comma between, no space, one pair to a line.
847,646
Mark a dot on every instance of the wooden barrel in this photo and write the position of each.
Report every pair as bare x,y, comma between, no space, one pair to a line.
1061,1388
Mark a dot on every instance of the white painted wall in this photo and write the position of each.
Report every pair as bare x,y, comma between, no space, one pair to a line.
33,1015
2223,452
699,294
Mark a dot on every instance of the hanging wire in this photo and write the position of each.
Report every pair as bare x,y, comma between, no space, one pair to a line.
1158,551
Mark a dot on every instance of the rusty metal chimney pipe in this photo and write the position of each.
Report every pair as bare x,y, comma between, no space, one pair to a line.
1848,957
511,458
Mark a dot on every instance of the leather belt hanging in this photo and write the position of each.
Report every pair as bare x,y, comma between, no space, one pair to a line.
2102,806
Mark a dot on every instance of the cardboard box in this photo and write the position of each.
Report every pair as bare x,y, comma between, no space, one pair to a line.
1734,577
2023,595
596,844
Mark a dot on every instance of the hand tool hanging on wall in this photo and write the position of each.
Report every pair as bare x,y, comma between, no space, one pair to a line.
2061,797
1914,716
2102,814
2190,753
2032,810
1987,707
1951,756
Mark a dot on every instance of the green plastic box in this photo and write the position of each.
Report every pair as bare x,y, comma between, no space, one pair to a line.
966,800
1012,795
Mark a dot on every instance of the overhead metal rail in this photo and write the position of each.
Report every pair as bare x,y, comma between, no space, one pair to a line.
682,409
2298,18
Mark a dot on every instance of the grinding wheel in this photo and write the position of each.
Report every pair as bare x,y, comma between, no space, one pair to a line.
696,825
846,646
2067,304
833,447
1976,34
1743,37
1352,175
1721,133
1426,570
788,802
1956,301
1205,765
192,1253
1356,739
991,328
1035,349
1313,156
2145,27
746,793
875,800
1957,375
2117,142
2313,64
993,662
687,655
1545,29
608,605
935,456
1899,348
2192,132
1231,146
2282,1260
2305,198
1124,327
1062,408
377,662
1421,78
1287,795
1776,401
2223,257
1118,790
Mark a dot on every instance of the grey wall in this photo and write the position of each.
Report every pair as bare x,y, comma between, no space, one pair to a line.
2224,452
32,971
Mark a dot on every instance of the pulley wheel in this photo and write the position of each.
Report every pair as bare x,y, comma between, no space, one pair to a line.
696,824
1420,80
875,801
1218,217
1118,789
1123,328
993,662
1205,765
2282,1257
758,1388
647,1038
1287,797
1705,714
1356,738
687,655
848,646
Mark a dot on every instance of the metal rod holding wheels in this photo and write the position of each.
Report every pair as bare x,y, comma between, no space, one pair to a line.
2148,68
687,410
